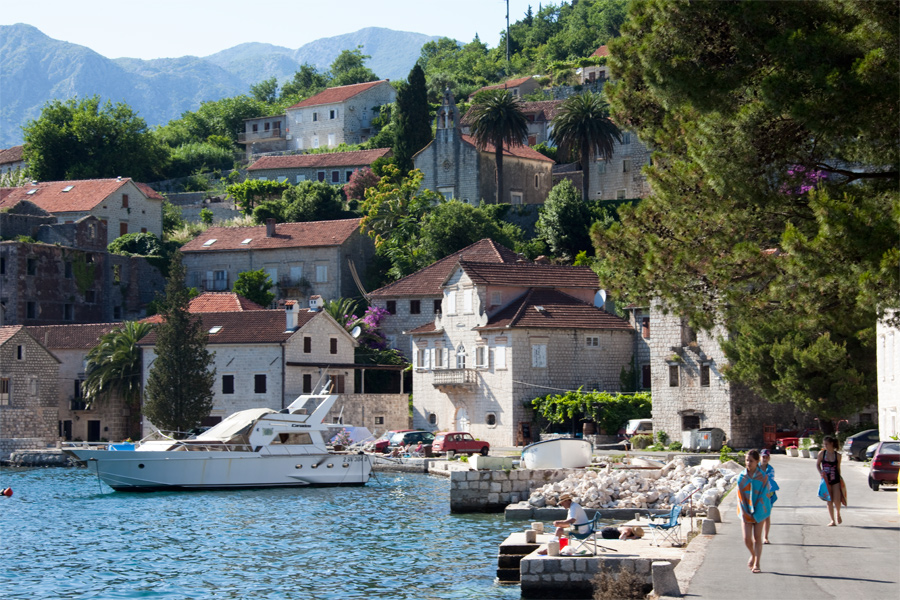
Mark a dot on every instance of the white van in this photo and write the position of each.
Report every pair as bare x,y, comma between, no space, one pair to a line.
639,427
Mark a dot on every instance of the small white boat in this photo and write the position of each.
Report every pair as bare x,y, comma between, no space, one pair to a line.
252,448
561,453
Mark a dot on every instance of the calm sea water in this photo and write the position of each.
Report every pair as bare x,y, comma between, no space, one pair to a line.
66,535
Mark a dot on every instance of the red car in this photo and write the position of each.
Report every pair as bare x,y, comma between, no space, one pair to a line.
381,444
460,442
885,465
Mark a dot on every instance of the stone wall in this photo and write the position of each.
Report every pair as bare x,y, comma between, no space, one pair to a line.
609,180
29,415
570,577
351,123
492,491
378,412
451,166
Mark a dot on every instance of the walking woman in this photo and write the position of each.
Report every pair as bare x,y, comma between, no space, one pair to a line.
769,470
829,465
754,507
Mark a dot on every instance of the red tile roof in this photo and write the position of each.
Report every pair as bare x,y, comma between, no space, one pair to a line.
7,331
287,235
428,281
530,275
601,51
517,151
63,337
221,302
246,327
149,191
330,159
4,192
552,309
11,155
338,94
83,195
505,85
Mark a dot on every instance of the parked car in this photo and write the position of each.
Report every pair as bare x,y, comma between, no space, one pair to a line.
786,439
460,442
885,465
636,427
870,451
855,445
403,439
382,443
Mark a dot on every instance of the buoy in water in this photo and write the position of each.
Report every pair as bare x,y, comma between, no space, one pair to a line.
6,492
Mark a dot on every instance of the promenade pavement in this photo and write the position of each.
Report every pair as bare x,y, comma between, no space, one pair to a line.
859,559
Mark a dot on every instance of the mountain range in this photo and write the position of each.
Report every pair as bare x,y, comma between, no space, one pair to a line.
35,69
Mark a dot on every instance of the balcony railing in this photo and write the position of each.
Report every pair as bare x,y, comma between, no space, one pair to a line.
455,378
258,136
215,285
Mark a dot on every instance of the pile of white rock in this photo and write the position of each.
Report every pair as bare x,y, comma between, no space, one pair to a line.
654,489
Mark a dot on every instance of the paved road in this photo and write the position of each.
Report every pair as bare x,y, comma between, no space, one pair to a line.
857,560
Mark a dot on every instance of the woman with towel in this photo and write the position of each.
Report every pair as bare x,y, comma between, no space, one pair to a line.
754,507
769,470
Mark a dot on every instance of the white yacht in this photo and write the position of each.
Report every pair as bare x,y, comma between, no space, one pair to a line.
253,448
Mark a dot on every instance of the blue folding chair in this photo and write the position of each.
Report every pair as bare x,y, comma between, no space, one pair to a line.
669,530
593,529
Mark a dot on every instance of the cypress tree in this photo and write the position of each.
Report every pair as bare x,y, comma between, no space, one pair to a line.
413,127
179,387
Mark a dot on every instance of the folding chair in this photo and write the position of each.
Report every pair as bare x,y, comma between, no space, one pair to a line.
669,530
594,527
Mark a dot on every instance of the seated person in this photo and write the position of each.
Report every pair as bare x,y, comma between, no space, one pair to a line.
622,533
419,448
575,514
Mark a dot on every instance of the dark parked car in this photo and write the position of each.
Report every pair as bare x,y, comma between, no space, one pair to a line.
411,437
460,442
382,443
885,465
855,445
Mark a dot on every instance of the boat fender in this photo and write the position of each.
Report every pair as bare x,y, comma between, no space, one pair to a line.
6,492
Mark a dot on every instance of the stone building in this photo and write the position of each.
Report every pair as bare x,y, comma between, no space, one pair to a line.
519,87
266,358
28,392
595,73
333,167
11,159
416,299
302,259
506,334
124,205
69,277
106,420
690,392
454,167
338,115
888,352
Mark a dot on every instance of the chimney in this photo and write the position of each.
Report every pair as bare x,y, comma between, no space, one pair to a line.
292,314
315,303
270,227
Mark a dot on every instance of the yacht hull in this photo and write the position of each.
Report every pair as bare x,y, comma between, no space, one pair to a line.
205,470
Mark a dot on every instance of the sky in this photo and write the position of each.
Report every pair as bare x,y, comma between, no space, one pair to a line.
167,28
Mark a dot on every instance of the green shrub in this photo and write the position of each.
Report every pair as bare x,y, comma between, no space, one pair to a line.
662,437
206,216
676,446
641,441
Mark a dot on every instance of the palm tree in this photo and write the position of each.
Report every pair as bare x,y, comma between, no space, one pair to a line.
114,365
497,119
583,123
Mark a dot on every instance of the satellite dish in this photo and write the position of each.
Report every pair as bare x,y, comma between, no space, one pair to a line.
600,298
356,331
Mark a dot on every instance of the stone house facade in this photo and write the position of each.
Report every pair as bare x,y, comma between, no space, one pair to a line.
302,259
888,356
416,299
454,167
593,73
69,277
123,204
621,176
28,392
264,134
639,319
338,115
266,358
508,333
11,159
104,421
690,392
335,168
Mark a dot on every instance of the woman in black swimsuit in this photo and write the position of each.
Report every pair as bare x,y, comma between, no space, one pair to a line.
829,465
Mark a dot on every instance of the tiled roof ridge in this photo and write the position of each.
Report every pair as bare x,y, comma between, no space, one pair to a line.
522,307
331,91
519,150
263,227
320,157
